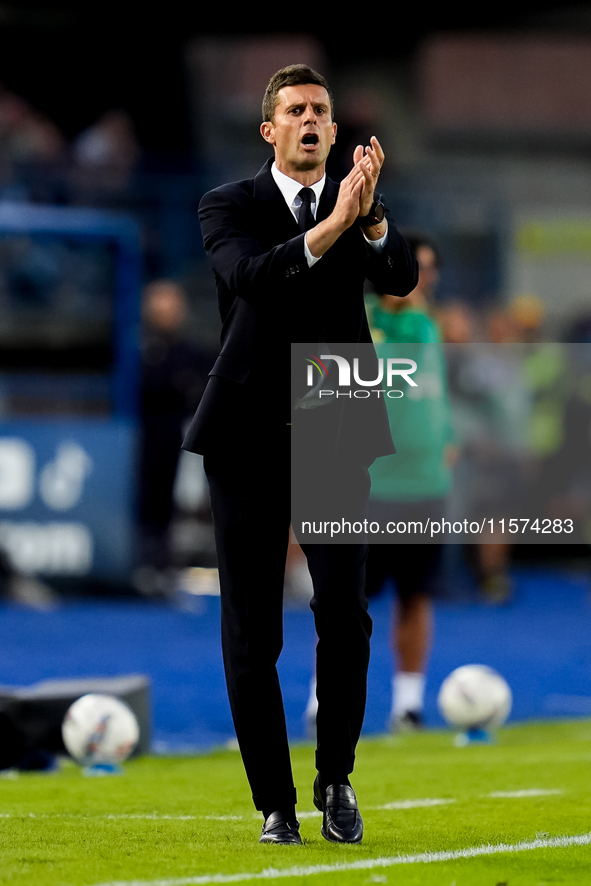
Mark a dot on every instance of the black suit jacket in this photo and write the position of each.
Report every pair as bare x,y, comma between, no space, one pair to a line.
268,298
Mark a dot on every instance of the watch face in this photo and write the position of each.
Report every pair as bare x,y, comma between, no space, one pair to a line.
375,216
378,212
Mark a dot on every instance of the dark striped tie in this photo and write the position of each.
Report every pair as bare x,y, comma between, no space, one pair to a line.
306,219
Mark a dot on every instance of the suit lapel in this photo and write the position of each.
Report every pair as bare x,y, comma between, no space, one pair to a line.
274,213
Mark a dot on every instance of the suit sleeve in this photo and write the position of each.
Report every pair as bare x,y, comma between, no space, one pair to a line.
394,271
236,255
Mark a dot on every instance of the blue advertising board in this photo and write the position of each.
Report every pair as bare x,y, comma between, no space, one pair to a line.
69,390
67,495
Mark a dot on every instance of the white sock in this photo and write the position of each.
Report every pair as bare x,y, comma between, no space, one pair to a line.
408,692
312,706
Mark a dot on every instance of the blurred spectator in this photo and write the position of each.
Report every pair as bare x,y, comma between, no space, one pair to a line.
527,313
491,408
558,435
456,322
579,330
174,372
501,327
107,153
26,136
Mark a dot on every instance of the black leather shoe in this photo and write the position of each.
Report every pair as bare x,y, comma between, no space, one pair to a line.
277,829
341,821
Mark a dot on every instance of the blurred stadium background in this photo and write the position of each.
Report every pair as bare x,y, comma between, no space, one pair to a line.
113,123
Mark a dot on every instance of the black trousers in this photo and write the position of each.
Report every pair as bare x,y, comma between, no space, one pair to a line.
250,500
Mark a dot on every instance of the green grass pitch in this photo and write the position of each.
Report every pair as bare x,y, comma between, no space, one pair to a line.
434,814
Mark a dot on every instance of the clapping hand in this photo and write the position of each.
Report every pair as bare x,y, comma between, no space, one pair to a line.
354,200
370,162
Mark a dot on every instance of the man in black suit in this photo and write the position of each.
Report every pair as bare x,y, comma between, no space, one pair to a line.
290,251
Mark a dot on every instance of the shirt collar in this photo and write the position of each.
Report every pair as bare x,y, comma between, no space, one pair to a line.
291,188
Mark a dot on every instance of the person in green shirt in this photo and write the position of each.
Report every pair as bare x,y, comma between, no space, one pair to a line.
413,484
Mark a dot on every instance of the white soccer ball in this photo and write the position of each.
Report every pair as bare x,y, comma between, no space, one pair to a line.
475,697
100,729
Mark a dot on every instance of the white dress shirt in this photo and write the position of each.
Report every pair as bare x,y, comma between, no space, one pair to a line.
290,189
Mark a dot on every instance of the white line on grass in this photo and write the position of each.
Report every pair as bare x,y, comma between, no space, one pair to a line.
414,804
517,795
363,864
157,816
395,804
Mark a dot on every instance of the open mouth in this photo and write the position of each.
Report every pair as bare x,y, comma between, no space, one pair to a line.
310,139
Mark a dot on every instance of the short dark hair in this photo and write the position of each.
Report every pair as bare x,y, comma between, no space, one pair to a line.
292,75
